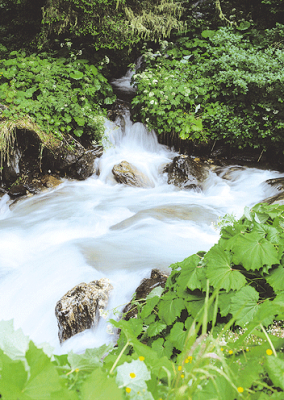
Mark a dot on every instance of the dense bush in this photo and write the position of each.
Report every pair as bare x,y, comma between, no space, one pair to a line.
219,86
60,95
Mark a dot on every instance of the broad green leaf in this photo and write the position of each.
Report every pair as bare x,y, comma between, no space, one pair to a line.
244,25
43,379
155,328
208,33
253,252
224,303
178,335
13,343
13,376
220,271
100,386
94,70
275,369
157,291
76,75
89,360
80,121
149,306
276,279
170,309
244,305
191,275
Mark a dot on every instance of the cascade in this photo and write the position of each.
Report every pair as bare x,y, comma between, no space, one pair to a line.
85,230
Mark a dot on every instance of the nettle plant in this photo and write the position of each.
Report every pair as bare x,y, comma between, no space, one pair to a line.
183,343
60,95
224,85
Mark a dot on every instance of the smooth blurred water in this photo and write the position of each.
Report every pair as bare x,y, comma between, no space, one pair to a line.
83,231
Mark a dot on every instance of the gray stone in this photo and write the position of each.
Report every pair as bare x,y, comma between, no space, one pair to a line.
126,173
79,308
186,172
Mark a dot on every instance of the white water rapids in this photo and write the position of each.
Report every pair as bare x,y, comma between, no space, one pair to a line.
82,231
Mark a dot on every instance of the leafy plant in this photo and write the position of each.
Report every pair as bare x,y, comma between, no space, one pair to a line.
217,87
58,94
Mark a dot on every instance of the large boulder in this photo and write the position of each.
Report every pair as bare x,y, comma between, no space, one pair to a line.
186,173
157,278
128,174
79,308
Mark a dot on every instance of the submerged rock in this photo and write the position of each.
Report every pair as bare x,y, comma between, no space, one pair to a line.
186,172
126,173
276,199
157,278
277,183
79,308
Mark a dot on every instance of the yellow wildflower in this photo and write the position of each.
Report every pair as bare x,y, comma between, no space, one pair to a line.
240,389
269,352
141,358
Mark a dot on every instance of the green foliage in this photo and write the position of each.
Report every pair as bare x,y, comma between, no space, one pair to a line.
219,87
58,94
111,24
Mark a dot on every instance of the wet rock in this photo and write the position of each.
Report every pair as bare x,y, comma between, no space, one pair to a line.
277,183
276,199
11,168
186,172
228,173
79,308
50,181
157,278
17,191
126,173
84,167
2,192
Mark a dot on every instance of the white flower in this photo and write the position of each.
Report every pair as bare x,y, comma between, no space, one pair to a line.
151,94
275,112
110,330
103,313
152,101
155,81
265,118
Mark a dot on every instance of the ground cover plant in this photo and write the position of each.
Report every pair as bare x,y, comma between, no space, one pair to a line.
186,341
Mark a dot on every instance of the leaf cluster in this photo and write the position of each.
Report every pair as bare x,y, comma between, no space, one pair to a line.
60,95
225,85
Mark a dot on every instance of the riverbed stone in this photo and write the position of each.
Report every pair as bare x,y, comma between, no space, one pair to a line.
157,278
186,172
126,173
79,308
277,183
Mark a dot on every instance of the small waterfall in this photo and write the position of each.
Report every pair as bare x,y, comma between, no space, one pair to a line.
82,231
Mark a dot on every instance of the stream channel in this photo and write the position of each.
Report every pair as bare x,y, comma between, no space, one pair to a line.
85,230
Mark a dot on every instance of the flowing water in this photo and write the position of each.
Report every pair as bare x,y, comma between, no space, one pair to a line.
81,231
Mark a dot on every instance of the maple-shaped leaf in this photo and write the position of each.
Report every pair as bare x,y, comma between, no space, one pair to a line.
253,252
276,279
191,274
268,232
244,305
170,308
220,272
